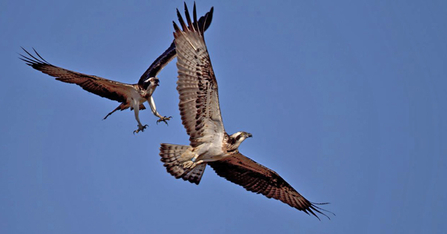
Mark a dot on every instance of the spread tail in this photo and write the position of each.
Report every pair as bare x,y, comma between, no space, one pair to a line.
170,155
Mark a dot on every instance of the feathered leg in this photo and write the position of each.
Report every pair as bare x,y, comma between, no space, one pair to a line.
155,112
140,126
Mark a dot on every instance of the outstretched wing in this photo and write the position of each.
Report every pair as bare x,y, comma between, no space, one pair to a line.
259,179
103,87
169,54
197,85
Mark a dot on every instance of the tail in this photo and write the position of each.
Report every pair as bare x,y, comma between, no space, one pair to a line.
124,106
170,155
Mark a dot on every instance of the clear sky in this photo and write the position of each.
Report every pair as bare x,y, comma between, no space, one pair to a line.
346,100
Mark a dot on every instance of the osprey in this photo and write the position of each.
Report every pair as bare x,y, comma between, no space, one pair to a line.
209,143
130,95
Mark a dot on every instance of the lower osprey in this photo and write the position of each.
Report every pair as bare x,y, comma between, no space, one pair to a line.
209,143
130,95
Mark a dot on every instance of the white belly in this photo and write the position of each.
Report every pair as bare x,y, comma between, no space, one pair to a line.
210,152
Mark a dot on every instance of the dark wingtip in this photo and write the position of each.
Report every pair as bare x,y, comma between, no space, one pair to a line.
32,60
200,25
204,21
176,28
180,19
313,207
194,13
188,18
35,51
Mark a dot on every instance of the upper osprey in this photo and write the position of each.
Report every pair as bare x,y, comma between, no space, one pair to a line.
209,143
130,95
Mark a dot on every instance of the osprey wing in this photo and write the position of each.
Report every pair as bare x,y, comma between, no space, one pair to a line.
256,178
103,87
197,85
169,54
157,66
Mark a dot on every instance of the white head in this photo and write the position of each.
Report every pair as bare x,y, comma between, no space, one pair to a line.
153,83
237,138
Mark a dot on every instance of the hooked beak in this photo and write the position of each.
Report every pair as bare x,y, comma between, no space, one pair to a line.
249,135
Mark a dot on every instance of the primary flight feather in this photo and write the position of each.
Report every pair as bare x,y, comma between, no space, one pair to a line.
131,96
209,142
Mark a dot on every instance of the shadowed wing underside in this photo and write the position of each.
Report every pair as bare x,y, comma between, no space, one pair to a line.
108,88
103,87
201,116
170,53
259,179
197,85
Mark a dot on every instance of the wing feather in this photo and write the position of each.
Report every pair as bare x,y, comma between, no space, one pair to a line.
157,66
197,85
103,87
259,179
170,53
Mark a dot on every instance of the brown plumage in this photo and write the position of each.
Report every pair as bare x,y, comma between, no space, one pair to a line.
257,178
130,95
209,143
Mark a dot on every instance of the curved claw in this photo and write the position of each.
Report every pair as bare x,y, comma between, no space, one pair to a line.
189,164
140,128
164,119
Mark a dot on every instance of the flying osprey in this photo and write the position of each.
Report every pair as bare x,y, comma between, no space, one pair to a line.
209,143
130,95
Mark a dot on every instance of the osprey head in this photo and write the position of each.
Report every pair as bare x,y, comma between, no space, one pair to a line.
237,138
153,82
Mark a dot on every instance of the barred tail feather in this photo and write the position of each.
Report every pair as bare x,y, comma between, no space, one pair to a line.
194,175
170,155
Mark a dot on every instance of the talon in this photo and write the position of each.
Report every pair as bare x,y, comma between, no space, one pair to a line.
140,128
164,119
188,164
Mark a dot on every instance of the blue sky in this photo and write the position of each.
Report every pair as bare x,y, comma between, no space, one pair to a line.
345,100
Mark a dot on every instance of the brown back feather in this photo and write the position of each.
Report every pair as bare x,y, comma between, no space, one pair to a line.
103,87
257,178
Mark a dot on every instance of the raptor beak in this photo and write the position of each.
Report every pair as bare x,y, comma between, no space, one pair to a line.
249,135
